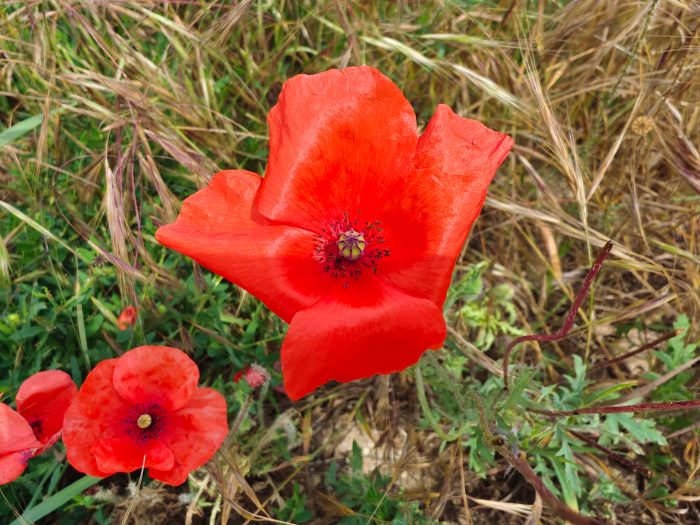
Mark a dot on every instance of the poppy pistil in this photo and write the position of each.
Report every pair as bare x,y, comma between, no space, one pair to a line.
351,244
144,421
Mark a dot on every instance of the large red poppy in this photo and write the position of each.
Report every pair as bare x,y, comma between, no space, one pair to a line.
144,409
41,401
353,233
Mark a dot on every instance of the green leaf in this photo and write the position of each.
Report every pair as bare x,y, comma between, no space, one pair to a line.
20,129
356,458
578,382
678,351
568,491
26,333
641,430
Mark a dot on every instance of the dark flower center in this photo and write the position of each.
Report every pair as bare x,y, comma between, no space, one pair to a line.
38,428
346,247
145,421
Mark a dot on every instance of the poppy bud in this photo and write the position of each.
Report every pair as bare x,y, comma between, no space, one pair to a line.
127,318
255,375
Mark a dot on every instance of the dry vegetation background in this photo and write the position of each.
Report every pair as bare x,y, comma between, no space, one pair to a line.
114,111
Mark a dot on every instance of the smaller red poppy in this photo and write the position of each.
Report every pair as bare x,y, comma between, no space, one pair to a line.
144,410
42,400
127,318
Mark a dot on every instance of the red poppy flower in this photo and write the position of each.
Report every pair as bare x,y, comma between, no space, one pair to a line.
353,233
144,409
42,400
127,317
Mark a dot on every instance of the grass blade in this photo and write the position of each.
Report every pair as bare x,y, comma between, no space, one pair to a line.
20,129
56,501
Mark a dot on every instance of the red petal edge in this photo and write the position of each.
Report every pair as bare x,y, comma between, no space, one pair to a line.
198,430
216,228
455,161
357,332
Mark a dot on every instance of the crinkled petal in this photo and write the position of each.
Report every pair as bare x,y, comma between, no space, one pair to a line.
195,434
97,413
355,332
126,454
43,400
156,375
341,141
216,228
429,220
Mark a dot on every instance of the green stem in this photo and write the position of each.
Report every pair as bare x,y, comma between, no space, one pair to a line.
427,411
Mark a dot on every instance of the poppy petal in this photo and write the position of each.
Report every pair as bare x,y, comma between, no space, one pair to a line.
125,454
12,465
17,443
367,328
43,400
196,433
341,141
15,432
274,263
94,415
455,161
159,456
156,374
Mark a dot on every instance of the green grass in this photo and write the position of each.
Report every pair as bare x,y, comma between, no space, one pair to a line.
112,112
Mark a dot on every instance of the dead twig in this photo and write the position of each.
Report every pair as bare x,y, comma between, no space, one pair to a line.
636,351
687,404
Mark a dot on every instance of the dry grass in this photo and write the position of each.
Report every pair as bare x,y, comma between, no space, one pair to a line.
145,100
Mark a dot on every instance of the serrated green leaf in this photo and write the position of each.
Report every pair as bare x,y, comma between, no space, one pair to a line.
643,430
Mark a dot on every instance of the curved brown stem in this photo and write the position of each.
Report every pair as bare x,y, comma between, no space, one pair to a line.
630,465
636,351
569,321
